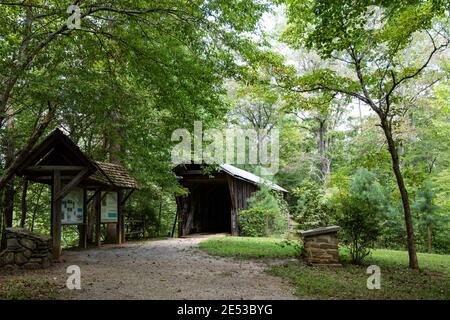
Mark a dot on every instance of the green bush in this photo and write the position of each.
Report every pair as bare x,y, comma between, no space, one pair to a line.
256,222
265,217
310,209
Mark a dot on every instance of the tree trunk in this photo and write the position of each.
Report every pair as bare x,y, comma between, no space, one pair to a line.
36,206
24,203
115,150
413,263
9,192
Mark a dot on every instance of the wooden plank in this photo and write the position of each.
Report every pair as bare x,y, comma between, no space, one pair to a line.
74,182
92,197
52,168
233,213
56,223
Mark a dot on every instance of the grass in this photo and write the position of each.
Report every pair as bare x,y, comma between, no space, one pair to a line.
397,258
348,281
27,289
243,247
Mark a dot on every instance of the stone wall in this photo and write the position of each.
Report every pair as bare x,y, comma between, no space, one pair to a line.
26,249
321,246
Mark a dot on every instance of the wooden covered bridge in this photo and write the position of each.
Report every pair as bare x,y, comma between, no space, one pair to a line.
214,201
76,183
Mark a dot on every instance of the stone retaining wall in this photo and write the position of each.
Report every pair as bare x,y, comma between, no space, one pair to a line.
321,246
26,249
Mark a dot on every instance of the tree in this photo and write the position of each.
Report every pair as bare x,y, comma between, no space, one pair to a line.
160,65
163,34
360,212
425,207
374,40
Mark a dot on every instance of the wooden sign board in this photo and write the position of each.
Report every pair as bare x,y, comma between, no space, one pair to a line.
72,207
109,207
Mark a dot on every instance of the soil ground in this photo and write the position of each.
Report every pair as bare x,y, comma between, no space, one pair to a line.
162,269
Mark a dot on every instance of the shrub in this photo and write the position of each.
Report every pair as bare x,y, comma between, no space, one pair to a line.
265,217
310,209
256,222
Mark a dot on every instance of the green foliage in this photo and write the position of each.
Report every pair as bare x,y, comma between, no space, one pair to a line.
132,74
256,222
264,217
310,209
431,223
360,213
380,53
242,247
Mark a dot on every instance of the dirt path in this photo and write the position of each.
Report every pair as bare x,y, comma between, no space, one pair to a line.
166,269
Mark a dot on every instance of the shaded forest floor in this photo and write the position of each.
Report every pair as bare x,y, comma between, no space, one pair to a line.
158,269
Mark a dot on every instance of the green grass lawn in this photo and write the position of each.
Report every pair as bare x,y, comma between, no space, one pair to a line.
348,281
243,247
396,258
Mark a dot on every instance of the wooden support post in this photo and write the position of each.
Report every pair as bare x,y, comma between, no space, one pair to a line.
119,218
56,215
84,227
234,207
122,225
97,210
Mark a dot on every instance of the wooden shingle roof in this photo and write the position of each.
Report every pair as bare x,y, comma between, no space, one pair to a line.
58,150
115,174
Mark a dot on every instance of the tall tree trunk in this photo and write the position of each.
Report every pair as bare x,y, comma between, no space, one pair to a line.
413,263
9,192
115,150
10,150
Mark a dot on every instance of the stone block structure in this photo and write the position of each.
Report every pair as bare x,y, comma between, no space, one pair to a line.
321,246
26,249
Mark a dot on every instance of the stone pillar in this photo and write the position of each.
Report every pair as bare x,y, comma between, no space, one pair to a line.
321,246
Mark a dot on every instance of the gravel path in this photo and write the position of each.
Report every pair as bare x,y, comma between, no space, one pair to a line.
166,269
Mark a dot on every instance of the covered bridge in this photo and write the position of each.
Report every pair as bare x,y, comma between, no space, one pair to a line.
214,201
